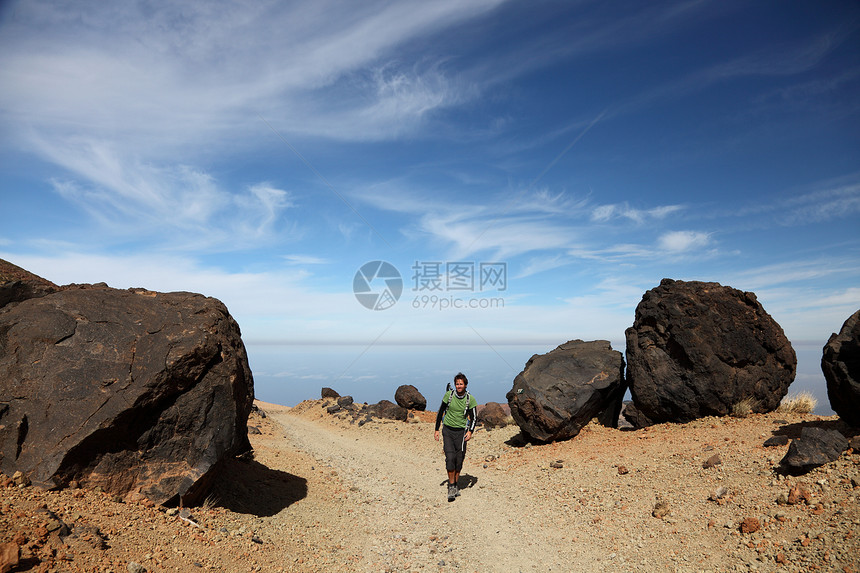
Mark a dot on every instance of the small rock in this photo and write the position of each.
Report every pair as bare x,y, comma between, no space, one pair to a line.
20,479
799,493
750,525
718,493
136,568
557,464
622,470
712,461
10,554
661,509
815,447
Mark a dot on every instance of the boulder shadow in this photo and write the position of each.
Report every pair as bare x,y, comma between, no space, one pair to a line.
523,440
793,430
247,486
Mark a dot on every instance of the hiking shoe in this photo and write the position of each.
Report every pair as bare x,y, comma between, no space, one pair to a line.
456,490
452,492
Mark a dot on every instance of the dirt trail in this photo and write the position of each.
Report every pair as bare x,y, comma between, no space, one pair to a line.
325,494
591,512
404,521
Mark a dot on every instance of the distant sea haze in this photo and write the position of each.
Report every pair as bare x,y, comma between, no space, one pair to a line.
289,374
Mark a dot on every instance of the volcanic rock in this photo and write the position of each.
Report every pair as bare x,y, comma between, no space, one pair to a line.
696,349
840,363
558,393
634,416
814,447
328,393
493,415
133,391
389,410
17,284
408,396
10,555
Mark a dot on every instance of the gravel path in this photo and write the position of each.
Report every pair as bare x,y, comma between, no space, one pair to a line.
596,511
396,473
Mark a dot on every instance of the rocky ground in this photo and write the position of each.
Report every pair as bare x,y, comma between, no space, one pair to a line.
325,494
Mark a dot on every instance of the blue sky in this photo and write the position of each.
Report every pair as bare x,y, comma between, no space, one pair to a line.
263,153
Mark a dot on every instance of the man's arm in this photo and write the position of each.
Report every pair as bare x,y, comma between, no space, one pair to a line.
471,418
441,414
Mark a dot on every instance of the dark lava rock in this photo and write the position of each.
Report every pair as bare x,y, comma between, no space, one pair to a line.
345,401
17,284
696,349
388,410
328,393
840,363
560,392
814,447
634,416
493,415
132,391
408,396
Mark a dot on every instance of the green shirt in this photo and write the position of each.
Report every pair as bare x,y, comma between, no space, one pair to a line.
455,411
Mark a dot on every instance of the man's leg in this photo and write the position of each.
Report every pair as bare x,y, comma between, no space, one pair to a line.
449,444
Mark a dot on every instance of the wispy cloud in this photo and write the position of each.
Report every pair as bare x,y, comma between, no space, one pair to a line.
680,241
178,203
837,202
305,260
603,213
206,68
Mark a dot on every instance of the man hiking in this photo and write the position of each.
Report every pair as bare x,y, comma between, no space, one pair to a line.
457,414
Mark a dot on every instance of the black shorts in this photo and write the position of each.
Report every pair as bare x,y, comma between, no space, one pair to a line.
454,444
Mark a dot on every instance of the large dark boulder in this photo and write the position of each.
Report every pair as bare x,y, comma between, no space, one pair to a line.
558,393
134,391
17,284
493,415
840,363
388,410
408,396
328,393
696,349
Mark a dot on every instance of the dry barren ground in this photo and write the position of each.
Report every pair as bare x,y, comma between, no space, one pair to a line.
325,494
